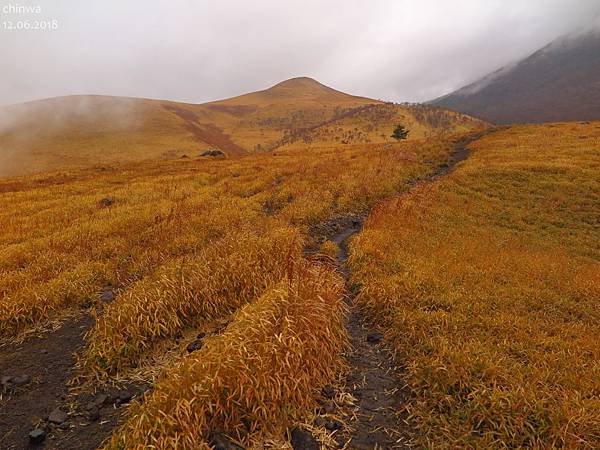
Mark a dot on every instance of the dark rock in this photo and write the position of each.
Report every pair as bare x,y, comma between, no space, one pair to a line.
90,406
107,295
212,152
328,408
374,337
101,400
303,440
124,396
371,441
93,414
320,421
195,345
201,335
221,442
184,156
57,416
5,380
37,436
105,202
333,425
21,380
328,392
64,426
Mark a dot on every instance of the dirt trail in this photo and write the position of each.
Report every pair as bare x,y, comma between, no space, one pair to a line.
35,378
47,362
374,380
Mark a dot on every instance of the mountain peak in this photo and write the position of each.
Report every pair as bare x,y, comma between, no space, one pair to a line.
299,82
309,89
301,86
294,90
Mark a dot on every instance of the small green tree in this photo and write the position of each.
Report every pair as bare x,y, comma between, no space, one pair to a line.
400,132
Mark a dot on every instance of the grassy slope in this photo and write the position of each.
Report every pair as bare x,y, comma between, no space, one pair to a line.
78,131
262,118
83,131
375,122
489,277
59,246
489,282
192,242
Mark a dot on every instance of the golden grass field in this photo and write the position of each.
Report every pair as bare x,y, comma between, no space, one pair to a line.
60,245
190,243
487,283
486,280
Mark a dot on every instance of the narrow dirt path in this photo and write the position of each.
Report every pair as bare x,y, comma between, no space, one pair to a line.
36,396
373,379
379,418
34,378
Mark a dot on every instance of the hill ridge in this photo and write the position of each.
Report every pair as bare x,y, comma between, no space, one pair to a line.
82,131
558,82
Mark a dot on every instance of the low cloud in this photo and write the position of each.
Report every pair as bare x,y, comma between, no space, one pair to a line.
196,51
31,122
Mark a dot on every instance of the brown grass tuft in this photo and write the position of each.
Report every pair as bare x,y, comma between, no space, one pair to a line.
212,284
254,379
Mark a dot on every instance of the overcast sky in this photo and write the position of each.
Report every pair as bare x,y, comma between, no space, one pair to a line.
195,51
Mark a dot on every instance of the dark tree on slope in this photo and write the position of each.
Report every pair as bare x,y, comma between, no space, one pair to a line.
400,132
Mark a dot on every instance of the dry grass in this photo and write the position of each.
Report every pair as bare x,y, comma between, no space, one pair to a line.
59,247
486,280
374,124
257,377
210,285
330,249
87,131
188,243
488,283
83,131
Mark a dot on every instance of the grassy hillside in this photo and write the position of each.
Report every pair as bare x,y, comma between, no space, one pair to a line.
487,283
259,120
559,82
85,131
59,239
187,244
485,280
374,123
484,276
